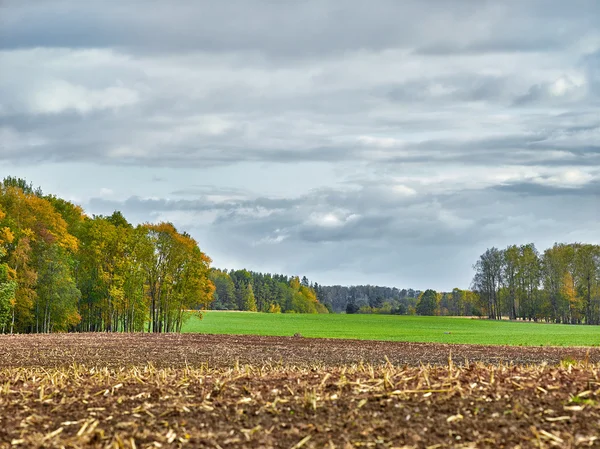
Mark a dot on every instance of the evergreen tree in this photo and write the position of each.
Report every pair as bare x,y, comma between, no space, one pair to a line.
428,303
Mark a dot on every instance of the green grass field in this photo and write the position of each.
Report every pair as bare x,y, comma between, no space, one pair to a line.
396,328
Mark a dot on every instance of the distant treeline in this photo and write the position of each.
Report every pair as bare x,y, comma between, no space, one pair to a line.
258,292
274,293
265,292
560,285
385,300
61,270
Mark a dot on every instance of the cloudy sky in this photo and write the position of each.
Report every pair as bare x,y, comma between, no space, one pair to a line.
380,142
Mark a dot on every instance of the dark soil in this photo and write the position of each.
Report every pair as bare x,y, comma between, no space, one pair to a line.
98,391
177,350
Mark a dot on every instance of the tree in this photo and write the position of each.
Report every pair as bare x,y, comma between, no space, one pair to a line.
587,262
8,286
274,308
459,302
376,301
177,275
529,278
555,266
224,290
352,307
37,229
249,301
510,268
56,305
488,278
428,303
7,293
62,270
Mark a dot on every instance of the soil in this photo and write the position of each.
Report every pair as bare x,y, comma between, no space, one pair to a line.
179,350
196,391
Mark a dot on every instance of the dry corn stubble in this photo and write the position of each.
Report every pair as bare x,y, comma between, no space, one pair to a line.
267,404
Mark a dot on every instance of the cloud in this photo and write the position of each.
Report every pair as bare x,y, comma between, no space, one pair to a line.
61,96
590,191
105,191
343,230
369,141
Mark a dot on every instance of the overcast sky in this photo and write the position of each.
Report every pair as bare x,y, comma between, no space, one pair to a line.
382,142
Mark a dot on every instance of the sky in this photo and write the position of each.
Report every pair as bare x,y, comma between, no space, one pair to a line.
353,142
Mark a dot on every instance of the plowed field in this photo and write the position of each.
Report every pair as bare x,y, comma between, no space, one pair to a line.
143,391
179,350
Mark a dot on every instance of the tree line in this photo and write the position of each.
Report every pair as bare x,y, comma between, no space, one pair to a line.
369,299
560,285
352,299
61,270
264,292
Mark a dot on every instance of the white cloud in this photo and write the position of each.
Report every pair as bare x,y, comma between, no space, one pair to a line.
453,221
105,191
403,190
333,219
60,96
568,85
383,142
127,151
270,240
569,178
184,219
364,139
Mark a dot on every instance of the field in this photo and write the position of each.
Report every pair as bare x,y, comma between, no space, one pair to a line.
218,391
396,328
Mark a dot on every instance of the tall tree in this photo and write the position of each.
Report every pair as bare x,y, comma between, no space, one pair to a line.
56,305
428,303
554,275
488,278
224,290
510,269
177,274
587,261
248,299
8,285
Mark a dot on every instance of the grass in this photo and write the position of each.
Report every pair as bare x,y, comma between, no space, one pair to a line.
396,328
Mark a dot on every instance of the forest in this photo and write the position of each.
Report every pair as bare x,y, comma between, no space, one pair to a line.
258,292
560,285
62,270
277,293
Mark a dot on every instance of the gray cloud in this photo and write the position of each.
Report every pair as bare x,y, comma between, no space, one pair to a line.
383,142
591,190
299,28
363,229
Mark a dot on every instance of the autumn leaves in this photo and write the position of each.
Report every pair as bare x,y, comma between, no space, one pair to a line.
61,270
